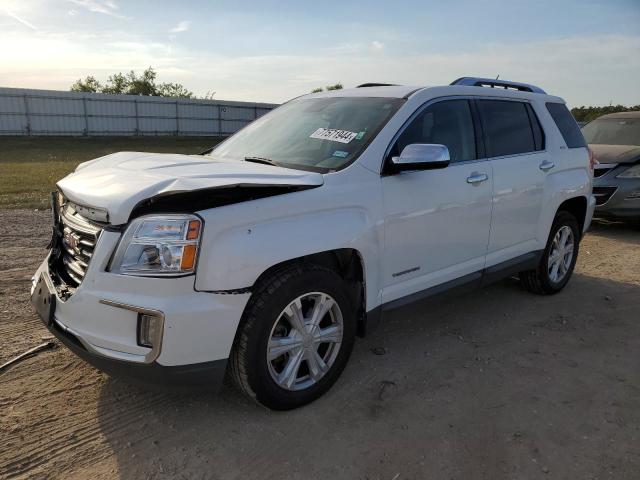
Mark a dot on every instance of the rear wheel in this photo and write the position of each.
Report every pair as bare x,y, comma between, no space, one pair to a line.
558,259
296,337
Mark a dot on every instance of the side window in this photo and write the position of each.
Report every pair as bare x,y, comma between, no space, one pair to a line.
448,123
538,133
567,125
508,128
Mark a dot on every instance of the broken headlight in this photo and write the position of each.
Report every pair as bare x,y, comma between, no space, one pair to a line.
159,245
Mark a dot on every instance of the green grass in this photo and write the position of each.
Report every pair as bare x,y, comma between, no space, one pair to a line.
31,166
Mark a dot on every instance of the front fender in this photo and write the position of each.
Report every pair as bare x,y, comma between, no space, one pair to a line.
234,253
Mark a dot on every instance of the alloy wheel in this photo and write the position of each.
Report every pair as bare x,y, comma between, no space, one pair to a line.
305,341
561,254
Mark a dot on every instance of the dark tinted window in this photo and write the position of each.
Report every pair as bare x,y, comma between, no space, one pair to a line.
567,125
448,123
507,127
538,133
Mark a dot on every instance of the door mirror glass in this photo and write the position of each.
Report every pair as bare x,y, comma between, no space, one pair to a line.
421,156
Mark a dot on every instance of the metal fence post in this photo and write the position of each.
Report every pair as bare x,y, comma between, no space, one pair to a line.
26,113
135,104
177,120
219,120
86,118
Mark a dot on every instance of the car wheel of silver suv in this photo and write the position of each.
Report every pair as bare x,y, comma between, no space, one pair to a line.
558,259
296,336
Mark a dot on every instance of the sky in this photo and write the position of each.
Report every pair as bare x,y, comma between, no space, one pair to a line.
586,51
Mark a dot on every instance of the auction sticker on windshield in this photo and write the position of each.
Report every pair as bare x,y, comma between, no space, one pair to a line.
333,135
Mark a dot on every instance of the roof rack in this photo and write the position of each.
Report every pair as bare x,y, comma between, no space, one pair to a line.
365,85
488,82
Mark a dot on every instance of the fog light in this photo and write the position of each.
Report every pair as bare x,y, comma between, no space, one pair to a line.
148,330
633,195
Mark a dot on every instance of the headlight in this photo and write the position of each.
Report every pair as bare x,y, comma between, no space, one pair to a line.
632,172
159,245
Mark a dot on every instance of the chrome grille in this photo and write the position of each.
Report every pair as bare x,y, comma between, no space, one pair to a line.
79,238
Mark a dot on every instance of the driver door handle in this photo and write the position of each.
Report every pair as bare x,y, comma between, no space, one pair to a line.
547,165
477,177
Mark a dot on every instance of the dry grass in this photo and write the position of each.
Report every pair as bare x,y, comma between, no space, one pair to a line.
31,166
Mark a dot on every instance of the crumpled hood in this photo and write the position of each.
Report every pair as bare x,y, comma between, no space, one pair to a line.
118,182
616,153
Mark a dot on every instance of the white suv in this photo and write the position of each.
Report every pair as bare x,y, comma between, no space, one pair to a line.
265,257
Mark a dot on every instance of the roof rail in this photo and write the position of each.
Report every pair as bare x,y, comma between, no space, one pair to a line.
365,85
489,82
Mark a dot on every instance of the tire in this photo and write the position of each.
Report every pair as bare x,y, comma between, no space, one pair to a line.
270,316
541,280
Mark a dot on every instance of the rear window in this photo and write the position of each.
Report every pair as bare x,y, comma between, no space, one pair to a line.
613,131
510,128
567,125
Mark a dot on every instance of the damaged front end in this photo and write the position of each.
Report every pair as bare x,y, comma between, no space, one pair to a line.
77,228
73,240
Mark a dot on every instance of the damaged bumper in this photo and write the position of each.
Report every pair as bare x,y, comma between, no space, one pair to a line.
188,343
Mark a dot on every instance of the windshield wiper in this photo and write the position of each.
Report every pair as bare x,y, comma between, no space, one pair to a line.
266,161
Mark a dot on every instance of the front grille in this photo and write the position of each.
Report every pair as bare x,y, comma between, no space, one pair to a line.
79,237
603,194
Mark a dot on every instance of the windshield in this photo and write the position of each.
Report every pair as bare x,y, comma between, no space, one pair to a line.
613,131
320,134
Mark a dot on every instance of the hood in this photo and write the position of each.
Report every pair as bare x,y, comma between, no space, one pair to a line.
616,153
118,182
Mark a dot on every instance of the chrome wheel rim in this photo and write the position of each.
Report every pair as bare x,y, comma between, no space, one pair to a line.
561,254
305,341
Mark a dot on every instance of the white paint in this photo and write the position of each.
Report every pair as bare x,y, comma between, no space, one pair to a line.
433,220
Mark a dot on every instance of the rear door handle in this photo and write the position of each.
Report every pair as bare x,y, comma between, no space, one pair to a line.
477,177
547,165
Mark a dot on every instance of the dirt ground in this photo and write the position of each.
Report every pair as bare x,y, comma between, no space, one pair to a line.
496,384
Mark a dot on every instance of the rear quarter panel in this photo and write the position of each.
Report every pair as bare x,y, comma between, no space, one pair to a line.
571,176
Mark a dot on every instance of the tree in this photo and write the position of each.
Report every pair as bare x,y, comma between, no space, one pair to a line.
144,84
116,84
89,84
337,86
133,84
173,90
586,114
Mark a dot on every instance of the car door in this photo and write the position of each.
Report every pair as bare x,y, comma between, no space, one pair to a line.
436,221
514,142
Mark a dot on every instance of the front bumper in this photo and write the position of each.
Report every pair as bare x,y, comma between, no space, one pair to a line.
618,197
99,323
206,376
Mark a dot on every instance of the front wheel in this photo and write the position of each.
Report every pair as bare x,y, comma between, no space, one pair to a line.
296,336
558,259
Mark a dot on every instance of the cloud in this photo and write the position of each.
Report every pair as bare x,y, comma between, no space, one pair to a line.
21,20
182,26
589,69
105,7
376,46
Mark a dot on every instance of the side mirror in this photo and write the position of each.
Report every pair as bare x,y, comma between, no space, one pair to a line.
421,156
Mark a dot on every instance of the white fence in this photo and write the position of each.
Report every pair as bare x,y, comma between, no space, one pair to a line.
50,112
